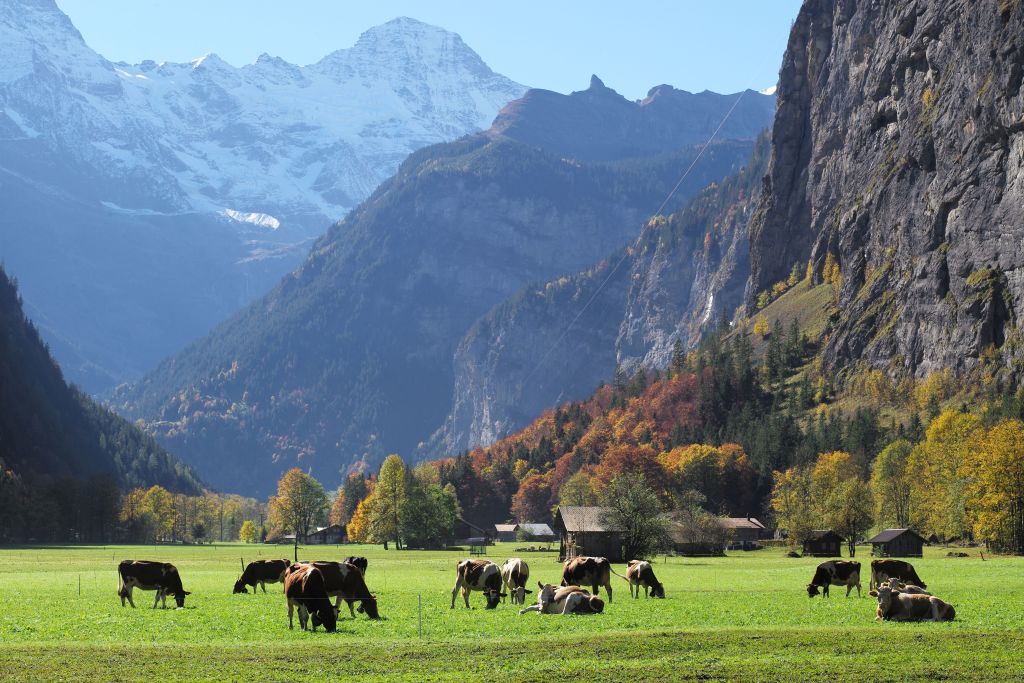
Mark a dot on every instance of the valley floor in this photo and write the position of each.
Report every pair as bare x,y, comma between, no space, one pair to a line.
741,617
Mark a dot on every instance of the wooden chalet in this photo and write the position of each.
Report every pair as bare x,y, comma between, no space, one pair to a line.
467,533
823,543
534,531
897,543
586,530
326,535
745,529
505,532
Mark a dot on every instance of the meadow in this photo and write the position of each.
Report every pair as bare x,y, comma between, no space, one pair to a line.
745,616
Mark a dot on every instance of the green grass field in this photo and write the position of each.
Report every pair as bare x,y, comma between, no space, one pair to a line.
741,617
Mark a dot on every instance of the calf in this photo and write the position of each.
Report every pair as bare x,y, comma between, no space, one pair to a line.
161,577
589,571
359,563
344,581
304,588
895,605
883,570
261,572
835,573
478,575
564,600
640,573
514,574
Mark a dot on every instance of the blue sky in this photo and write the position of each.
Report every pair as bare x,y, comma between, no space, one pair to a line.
632,45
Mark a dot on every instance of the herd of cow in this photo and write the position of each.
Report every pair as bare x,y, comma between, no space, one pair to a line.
309,586
899,590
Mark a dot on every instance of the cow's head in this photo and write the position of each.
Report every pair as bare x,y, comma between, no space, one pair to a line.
326,617
812,590
493,596
519,594
885,594
369,607
596,604
658,590
179,597
546,594
239,587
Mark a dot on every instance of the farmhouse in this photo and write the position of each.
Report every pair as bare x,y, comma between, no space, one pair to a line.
326,535
897,543
745,530
506,532
587,531
823,543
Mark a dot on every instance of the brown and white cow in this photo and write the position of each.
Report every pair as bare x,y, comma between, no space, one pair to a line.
589,571
161,577
896,605
304,588
564,600
344,581
835,573
641,573
883,570
478,575
359,563
514,574
261,572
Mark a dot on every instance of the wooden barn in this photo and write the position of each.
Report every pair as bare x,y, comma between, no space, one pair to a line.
745,529
467,533
823,543
326,535
897,543
505,532
537,532
586,531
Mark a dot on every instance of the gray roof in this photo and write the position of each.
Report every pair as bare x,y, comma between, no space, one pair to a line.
535,529
576,518
890,534
741,523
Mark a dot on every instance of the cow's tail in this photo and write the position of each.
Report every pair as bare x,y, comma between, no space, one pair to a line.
120,579
612,570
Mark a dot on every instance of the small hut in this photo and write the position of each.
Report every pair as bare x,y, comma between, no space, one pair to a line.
823,543
467,533
536,532
326,535
585,530
506,532
897,543
745,530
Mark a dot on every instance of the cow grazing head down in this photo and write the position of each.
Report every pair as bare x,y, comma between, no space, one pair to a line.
812,590
239,588
179,598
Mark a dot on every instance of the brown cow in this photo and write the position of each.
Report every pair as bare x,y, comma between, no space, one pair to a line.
883,570
564,600
161,577
589,571
478,575
514,574
640,573
835,573
304,588
344,581
360,563
895,605
261,572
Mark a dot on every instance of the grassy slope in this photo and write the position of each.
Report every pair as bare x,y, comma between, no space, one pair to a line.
744,616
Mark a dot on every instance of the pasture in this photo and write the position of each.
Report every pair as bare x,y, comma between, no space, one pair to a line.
746,616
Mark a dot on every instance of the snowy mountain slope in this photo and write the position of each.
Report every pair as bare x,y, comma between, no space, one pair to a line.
216,165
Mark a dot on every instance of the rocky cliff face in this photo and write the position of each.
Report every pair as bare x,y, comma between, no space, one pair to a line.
350,357
557,341
898,149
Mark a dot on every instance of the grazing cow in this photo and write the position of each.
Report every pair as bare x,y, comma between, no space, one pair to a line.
883,570
589,571
896,605
564,600
344,581
261,572
835,573
478,575
514,574
360,563
304,588
640,573
161,577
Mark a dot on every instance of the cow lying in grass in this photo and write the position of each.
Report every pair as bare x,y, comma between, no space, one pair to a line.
896,605
564,600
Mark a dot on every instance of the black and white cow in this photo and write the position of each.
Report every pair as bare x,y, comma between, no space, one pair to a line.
161,577
835,573
478,575
260,573
640,573
514,574
883,570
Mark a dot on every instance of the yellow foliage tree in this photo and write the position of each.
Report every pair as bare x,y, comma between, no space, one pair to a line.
937,474
841,498
761,327
158,503
358,528
247,532
994,476
791,501
890,484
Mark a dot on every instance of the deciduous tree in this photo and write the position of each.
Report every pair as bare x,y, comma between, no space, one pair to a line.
299,504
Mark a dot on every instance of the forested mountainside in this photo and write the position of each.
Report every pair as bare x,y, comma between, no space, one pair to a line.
124,182
350,357
897,159
50,430
678,278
